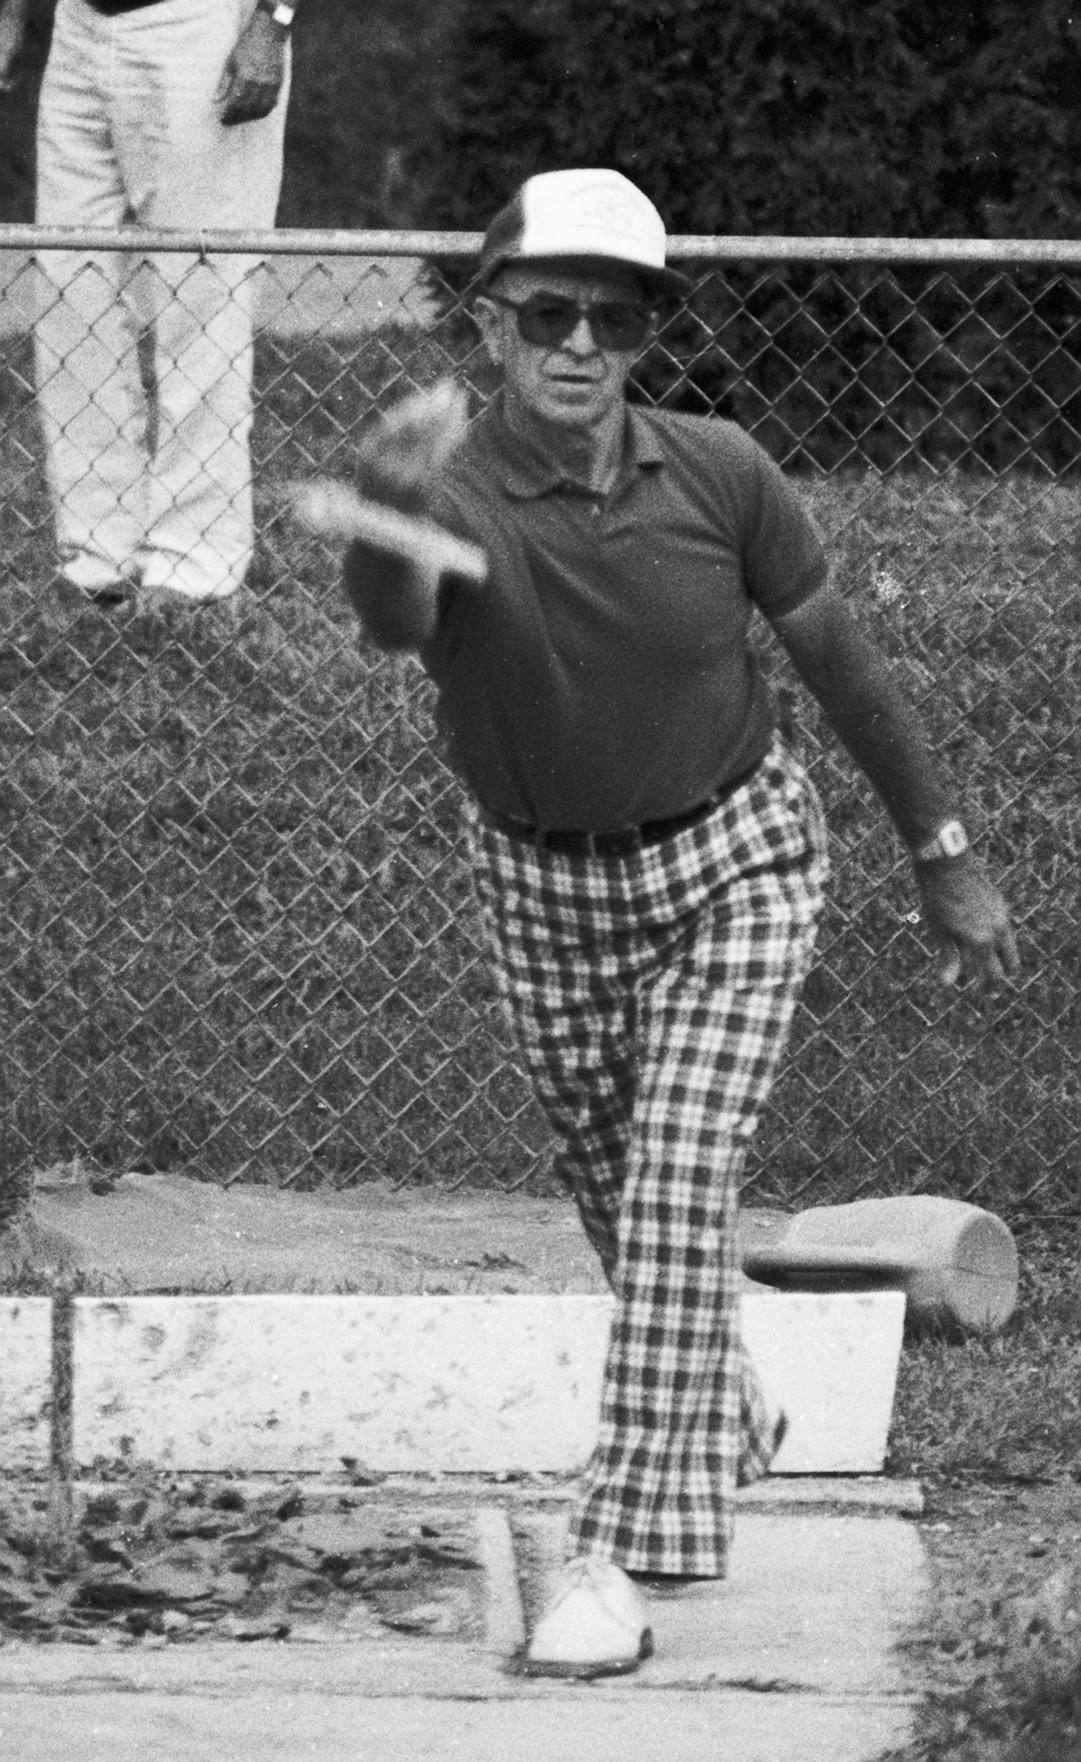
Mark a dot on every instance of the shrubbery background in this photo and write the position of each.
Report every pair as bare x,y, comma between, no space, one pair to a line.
773,116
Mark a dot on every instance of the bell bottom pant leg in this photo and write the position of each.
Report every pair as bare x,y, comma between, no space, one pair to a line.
93,413
199,526
683,1421
652,1050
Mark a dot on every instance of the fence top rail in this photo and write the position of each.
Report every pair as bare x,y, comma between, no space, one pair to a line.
301,242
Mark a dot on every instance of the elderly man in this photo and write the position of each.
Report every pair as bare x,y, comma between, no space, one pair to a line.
159,114
649,855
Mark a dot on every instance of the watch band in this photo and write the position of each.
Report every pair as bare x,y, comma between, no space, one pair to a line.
951,840
278,11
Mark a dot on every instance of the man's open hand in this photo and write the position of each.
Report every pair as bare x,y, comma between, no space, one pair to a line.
403,452
969,921
254,73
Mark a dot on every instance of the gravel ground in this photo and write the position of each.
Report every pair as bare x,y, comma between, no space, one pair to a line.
167,1562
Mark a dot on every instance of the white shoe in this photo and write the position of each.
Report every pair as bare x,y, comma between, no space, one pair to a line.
595,1624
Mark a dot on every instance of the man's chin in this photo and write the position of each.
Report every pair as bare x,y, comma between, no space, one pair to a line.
573,404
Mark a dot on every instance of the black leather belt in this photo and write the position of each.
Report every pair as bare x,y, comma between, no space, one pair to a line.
111,6
572,842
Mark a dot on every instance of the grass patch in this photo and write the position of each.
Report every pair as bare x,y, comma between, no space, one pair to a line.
1028,1711
1007,1405
993,1428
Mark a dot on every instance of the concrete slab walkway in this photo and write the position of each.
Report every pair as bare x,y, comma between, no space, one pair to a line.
794,1659
286,1726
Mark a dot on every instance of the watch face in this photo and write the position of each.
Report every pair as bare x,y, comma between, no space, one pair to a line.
953,838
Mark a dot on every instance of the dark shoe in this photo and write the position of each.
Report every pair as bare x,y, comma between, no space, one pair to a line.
116,594
672,1584
116,591
88,578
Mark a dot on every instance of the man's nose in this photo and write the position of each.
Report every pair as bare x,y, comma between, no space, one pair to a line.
580,341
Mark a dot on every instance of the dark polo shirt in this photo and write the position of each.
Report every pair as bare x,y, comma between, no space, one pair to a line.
602,675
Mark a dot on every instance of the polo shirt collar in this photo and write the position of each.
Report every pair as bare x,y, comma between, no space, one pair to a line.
526,473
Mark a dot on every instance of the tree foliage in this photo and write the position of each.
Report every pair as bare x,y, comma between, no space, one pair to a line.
893,117
896,118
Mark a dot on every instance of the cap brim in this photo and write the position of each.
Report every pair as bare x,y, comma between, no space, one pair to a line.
657,281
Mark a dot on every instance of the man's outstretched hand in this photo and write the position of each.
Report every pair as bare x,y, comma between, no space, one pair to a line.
969,921
401,459
403,452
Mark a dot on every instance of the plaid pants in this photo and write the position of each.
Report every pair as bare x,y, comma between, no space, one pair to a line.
651,996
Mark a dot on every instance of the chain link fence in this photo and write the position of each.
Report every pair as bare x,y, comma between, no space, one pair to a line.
238,936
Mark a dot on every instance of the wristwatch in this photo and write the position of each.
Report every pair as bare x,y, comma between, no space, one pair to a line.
278,11
951,840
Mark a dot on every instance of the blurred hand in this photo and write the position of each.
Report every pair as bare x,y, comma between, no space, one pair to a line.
969,921
251,83
12,31
403,453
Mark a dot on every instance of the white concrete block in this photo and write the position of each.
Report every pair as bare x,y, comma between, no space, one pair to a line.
830,1360
25,1371
457,1384
460,1384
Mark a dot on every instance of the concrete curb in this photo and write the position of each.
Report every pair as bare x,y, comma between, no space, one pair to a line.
899,1498
468,1384
854,1494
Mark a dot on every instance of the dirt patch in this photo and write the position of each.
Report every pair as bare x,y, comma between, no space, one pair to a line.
170,1233
168,1562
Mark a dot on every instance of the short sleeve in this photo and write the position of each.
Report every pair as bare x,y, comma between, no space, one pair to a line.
784,559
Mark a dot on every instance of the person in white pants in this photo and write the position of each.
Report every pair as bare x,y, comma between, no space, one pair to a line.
156,114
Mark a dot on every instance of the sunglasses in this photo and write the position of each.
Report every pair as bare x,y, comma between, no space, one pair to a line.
549,319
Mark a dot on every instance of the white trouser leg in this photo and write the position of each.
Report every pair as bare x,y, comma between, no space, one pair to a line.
183,169
199,534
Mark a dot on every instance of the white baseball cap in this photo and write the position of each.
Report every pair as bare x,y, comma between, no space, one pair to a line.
596,218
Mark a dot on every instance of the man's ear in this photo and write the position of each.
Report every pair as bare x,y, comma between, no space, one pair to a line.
488,319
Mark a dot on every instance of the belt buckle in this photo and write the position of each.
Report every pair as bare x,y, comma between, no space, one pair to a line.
624,841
